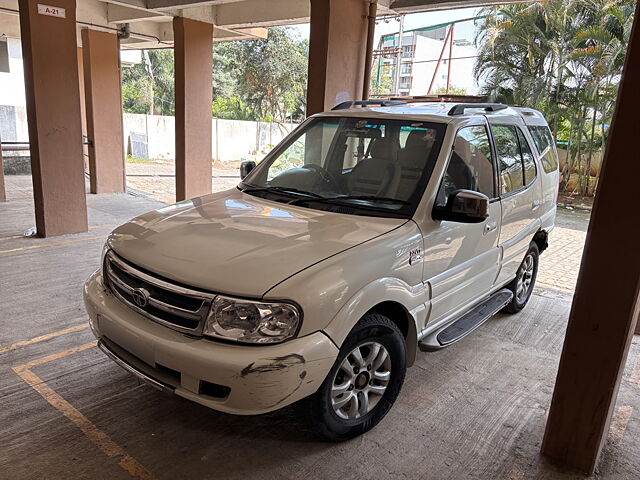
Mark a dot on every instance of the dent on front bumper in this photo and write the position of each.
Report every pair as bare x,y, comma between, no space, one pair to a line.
258,379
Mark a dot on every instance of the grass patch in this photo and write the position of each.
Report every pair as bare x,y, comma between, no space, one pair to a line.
131,159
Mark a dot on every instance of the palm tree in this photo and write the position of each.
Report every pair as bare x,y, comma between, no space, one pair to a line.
561,57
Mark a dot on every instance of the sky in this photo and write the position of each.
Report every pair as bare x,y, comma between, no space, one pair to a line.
416,20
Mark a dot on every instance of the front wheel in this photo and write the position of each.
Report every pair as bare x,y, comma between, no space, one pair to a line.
522,285
363,383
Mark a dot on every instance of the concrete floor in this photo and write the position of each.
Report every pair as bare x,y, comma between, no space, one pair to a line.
475,410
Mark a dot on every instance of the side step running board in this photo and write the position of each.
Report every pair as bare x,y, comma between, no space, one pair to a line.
467,323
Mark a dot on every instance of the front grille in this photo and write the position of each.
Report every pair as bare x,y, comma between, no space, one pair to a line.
175,306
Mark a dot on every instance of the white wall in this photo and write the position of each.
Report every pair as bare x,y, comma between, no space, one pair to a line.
13,123
231,139
12,83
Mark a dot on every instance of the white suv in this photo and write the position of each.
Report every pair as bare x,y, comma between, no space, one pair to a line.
368,234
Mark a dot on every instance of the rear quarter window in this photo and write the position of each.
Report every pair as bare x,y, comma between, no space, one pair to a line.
544,144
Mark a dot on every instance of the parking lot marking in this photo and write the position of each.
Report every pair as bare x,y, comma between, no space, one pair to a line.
12,237
54,356
54,244
42,338
93,433
91,227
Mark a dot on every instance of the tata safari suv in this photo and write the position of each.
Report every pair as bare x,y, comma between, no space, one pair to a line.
368,234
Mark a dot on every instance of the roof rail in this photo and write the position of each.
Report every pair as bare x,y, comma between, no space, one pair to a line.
489,107
367,103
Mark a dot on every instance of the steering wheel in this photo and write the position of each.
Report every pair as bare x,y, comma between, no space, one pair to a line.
327,178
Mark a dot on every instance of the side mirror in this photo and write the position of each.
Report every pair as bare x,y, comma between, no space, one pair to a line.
464,206
246,167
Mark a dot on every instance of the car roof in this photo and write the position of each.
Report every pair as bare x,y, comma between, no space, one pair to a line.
441,112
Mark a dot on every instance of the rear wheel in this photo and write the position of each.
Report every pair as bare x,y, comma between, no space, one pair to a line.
364,381
522,285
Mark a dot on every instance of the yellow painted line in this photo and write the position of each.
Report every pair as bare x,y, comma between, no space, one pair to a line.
104,225
92,227
620,422
42,338
54,244
55,356
93,433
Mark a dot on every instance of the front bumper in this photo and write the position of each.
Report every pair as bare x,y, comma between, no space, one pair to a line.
237,379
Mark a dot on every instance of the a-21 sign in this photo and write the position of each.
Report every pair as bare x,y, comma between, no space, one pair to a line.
52,11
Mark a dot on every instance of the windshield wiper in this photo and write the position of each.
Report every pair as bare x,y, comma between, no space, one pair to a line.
373,198
314,197
341,198
285,190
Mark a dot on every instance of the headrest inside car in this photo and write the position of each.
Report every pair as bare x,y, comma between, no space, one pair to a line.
382,148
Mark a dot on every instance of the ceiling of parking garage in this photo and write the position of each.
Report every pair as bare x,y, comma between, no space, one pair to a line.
150,20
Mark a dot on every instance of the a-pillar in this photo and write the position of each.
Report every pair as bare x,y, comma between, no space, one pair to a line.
337,52
103,100
53,112
193,73
605,305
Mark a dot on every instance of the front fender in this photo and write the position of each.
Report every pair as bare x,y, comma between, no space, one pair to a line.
335,293
409,299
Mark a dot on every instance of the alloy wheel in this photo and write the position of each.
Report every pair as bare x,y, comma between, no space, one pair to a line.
361,380
525,275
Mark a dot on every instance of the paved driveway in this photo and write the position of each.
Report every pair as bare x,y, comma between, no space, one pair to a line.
157,180
560,263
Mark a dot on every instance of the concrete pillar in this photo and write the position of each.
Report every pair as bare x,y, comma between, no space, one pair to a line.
337,52
83,114
103,100
53,112
193,73
606,304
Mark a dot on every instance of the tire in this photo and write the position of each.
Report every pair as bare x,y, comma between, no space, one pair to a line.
522,285
373,333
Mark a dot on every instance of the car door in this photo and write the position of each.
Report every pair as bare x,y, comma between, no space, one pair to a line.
520,196
461,259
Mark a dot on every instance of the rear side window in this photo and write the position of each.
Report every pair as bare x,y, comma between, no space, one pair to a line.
528,162
471,164
509,158
544,143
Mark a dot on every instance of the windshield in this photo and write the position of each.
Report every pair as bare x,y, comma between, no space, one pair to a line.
370,166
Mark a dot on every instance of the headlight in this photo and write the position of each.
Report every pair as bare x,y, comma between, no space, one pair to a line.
251,322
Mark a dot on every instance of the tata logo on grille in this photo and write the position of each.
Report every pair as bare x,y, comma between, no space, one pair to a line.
140,297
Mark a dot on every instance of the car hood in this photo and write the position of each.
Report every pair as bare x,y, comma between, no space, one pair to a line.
235,243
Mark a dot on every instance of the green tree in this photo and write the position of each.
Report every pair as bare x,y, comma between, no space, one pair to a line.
563,58
231,107
251,80
381,78
270,75
453,90
148,87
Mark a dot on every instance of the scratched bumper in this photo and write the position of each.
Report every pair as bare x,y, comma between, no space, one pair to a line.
260,378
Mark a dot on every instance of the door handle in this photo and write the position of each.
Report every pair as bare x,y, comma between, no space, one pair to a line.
490,227
535,204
